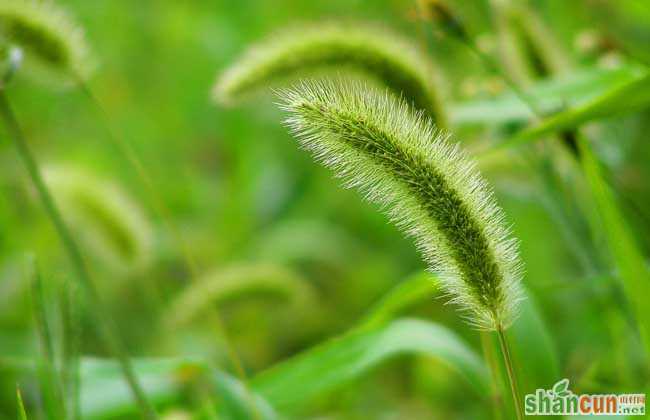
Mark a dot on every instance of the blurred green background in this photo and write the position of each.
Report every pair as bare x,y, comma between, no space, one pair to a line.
244,197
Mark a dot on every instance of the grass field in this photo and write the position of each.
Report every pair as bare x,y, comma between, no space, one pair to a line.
171,246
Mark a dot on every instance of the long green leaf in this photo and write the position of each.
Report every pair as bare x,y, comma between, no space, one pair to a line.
628,98
416,288
550,95
105,394
329,366
531,340
627,257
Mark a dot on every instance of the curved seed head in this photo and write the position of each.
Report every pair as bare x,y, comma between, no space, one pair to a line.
108,221
426,184
310,50
55,48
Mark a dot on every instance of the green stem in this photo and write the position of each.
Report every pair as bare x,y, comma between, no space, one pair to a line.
81,270
491,360
507,359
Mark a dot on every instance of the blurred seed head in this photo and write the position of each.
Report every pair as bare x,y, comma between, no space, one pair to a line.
352,48
109,223
55,48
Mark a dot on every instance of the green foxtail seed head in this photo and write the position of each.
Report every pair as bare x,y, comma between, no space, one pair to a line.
109,222
55,48
311,50
238,282
427,185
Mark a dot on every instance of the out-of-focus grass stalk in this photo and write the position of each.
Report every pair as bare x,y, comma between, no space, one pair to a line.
74,253
51,387
70,302
22,415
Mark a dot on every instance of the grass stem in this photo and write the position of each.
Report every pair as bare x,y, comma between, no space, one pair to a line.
72,249
507,360
491,361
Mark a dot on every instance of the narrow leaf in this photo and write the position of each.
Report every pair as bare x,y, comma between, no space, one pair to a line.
415,289
22,414
627,257
334,364
549,95
105,394
628,98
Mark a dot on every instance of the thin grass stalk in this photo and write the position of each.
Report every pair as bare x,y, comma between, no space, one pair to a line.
51,390
491,360
72,249
69,306
512,377
132,158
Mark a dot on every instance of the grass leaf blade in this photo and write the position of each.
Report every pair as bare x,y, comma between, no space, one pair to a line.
627,257
329,366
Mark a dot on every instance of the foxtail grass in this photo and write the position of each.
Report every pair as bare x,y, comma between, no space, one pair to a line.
429,188
303,51
53,45
426,184
107,220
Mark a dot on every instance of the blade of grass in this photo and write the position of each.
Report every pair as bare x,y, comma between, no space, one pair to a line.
630,97
335,363
51,389
22,414
71,331
416,288
531,338
165,381
626,256
550,95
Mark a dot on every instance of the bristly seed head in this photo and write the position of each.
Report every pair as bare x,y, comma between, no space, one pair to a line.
54,46
374,52
426,184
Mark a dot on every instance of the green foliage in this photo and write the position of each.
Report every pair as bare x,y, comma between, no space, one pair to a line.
303,275
430,188
550,95
416,288
631,264
374,51
626,98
